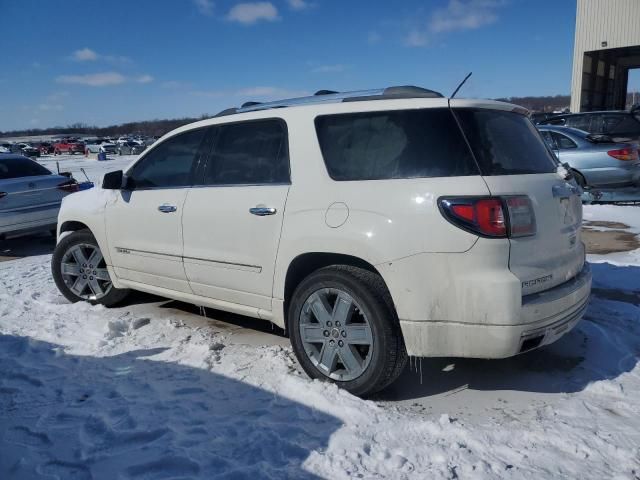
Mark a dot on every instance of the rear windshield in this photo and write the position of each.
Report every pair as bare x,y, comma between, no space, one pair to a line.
20,167
505,143
393,144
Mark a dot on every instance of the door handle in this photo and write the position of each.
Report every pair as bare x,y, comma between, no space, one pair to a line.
262,211
167,208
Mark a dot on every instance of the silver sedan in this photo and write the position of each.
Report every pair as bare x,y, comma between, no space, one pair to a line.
596,159
30,196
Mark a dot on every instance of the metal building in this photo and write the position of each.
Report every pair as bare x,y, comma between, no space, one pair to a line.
607,45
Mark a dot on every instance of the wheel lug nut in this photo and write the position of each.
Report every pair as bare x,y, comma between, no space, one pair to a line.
326,333
332,343
90,278
328,324
84,276
344,333
341,343
94,272
337,324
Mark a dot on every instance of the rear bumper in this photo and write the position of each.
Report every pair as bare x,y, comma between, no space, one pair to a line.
543,319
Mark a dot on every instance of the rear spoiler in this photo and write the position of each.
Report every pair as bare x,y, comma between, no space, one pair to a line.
599,138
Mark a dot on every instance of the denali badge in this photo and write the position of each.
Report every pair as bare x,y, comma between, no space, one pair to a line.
536,281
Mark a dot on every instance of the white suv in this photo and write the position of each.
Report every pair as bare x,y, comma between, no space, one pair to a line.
370,226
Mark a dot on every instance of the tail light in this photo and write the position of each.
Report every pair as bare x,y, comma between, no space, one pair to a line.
625,154
70,186
492,217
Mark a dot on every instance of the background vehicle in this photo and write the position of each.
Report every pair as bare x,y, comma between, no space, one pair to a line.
46,148
68,146
30,195
370,225
28,150
620,125
130,148
98,145
597,159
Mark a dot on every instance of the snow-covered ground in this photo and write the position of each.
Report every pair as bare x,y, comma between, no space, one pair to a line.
154,390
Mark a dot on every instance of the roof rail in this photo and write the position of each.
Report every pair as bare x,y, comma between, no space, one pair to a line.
329,96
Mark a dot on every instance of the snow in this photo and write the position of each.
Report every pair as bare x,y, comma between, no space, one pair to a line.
154,390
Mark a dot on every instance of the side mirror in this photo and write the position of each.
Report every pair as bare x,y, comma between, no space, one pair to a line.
113,180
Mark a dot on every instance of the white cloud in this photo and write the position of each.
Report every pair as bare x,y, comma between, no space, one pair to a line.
298,4
416,38
457,15
337,68
250,13
93,80
45,107
464,15
88,55
373,38
144,79
205,7
84,55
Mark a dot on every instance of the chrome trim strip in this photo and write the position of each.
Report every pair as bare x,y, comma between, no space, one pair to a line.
126,251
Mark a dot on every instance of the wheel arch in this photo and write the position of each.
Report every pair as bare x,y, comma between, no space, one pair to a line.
306,263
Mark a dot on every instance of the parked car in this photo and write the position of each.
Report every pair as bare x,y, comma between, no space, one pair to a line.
620,125
68,146
130,148
46,148
597,160
30,195
28,150
369,225
99,145
538,117
5,148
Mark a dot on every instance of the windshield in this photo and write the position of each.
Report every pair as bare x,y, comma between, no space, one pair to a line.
505,143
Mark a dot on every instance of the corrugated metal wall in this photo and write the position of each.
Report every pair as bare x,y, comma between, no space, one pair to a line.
616,22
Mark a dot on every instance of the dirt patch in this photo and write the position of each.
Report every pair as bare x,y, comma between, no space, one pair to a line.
609,241
605,224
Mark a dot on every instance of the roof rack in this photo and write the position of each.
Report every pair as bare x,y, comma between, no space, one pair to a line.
330,96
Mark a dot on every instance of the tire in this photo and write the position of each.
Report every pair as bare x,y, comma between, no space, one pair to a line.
85,242
378,363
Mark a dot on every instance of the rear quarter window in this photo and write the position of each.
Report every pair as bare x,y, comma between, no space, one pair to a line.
393,144
20,167
505,143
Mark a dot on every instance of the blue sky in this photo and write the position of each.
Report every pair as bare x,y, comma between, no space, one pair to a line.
104,62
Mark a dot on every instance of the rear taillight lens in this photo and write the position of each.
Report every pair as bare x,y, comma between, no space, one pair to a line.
625,154
70,187
493,217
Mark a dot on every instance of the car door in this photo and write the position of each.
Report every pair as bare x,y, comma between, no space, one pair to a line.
144,221
232,222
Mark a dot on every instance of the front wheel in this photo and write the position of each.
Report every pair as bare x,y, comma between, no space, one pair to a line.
344,329
80,271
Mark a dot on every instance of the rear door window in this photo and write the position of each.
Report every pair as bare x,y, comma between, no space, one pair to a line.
20,167
505,143
249,153
393,144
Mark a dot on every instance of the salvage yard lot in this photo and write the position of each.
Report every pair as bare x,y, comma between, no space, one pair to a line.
160,389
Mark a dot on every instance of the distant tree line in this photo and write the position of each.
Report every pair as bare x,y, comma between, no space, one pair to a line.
540,104
160,127
147,128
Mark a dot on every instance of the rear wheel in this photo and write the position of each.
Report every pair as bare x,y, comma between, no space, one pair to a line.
80,271
343,329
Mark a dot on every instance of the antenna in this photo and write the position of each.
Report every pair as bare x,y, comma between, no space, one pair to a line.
460,85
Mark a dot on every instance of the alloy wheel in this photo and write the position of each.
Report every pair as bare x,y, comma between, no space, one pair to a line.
85,272
336,334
